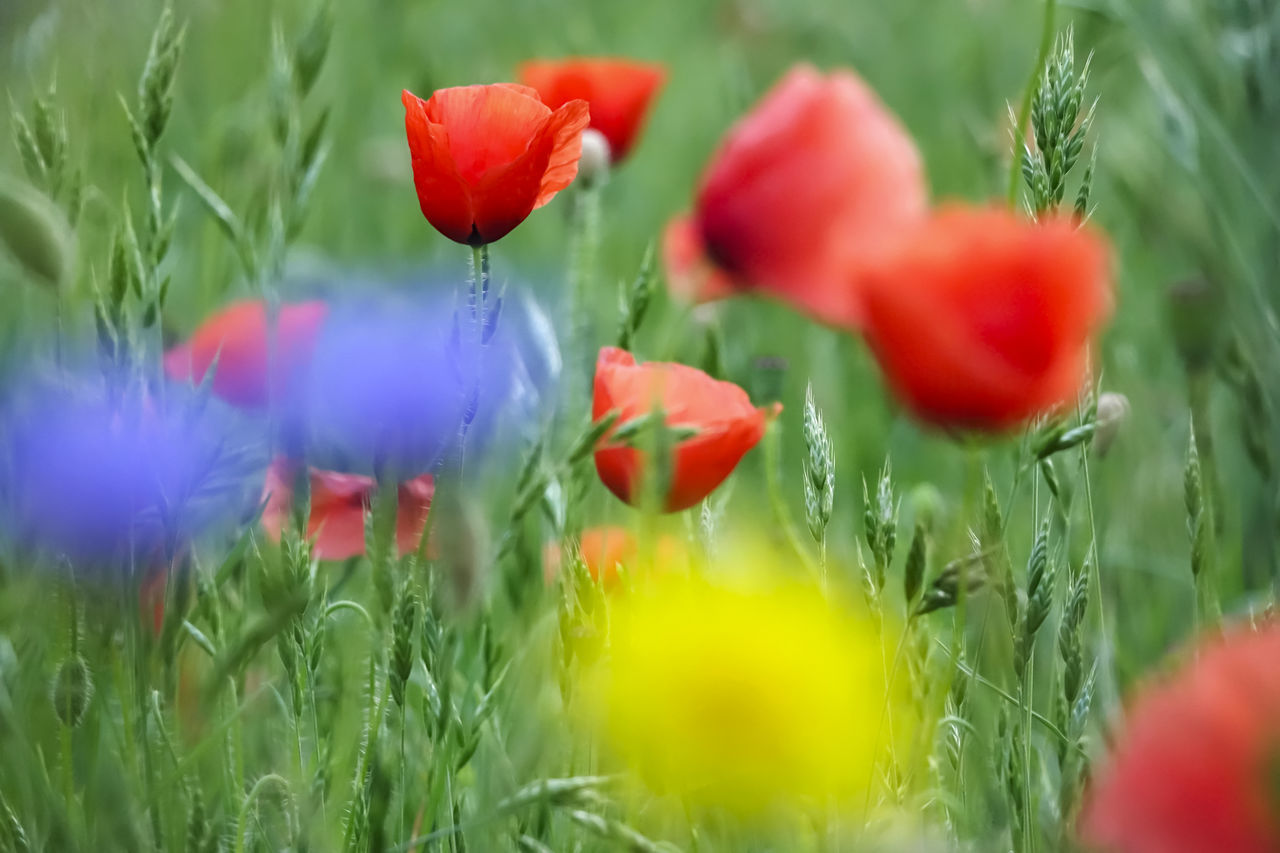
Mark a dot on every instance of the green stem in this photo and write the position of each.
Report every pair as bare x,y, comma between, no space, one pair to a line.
1095,580
885,716
1045,722
1024,111
250,799
138,684
583,246
822,560
404,789
478,284
1028,837
68,779
478,307
297,730
777,504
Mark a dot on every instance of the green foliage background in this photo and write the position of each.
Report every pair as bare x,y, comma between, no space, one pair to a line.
1186,186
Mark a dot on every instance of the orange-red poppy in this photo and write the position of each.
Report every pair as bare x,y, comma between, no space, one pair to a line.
609,546
1194,769
812,180
619,92
151,597
338,506
727,425
485,157
237,338
981,319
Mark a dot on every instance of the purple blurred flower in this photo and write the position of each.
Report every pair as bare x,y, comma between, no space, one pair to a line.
121,480
388,388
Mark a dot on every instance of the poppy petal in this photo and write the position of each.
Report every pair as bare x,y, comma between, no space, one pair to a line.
618,90
690,273
807,185
565,129
728,425
981,320
488,127
442,194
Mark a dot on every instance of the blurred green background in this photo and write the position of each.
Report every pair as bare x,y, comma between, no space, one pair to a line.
1186,185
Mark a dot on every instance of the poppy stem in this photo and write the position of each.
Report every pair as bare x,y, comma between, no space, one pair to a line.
780,512
482,328
584,241
478,285
1024,110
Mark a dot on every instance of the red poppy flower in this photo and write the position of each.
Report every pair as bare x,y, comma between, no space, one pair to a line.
485,157
1195,768
619,92
728,425
151,598
812,180
689,276
237,338
609,546
338,506
981,319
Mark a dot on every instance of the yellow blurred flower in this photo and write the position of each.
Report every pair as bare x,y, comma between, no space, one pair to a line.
744,695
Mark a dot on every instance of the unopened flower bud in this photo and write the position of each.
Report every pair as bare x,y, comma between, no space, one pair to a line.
593,167
36,232
1195,314
459,533
1113,409
71,691
928,504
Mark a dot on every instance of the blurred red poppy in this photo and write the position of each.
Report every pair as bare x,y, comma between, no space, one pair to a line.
811,181
728,425
609,546
1195,768
689,276
619,92
981,320
237,338
151,597
485,157
338,506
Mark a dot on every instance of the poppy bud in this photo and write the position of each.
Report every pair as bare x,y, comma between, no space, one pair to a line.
463,542
1113,410
928,504
36,232
71,691
1195,315
593,168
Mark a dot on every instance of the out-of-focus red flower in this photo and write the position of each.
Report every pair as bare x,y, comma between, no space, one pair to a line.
619,92
689,275
1195,768
728,425
151,598
237,338
981,319
606,547
485,157
338,506
811,181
